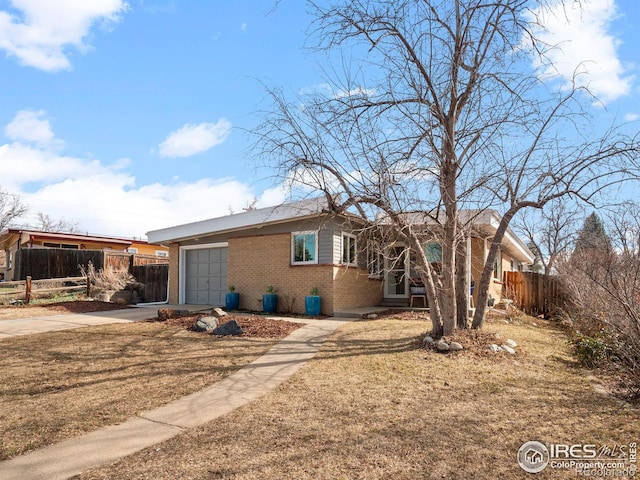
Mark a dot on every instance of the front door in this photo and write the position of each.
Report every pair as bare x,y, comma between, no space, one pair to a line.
396,278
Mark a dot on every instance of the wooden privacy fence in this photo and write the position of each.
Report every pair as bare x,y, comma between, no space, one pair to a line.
534,293
41,263
29,287
127,261
49,264
155,280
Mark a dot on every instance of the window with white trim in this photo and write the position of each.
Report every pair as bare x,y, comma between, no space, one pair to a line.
162,253
433,252
349,249
304,248
132,250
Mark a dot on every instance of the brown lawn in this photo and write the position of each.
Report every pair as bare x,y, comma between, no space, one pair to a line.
59,385
43,309
371,405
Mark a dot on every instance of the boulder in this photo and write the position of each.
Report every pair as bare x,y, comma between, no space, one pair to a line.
508,349
218,312
205,324
427,340
494,348
455,346
442,346
372,316
229,328
511,343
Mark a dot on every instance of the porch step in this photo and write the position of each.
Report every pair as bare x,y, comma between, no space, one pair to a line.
400,302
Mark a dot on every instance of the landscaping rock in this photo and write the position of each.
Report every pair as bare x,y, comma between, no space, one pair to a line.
511,343
442,346
494,348
229,328
455,346
508,349
205,324
427,340
218,312
372,316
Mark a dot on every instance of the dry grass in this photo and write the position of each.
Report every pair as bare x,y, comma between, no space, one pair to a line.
62,384
54,308
371,405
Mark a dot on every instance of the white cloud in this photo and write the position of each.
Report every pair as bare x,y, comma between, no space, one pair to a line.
631,117
111,203
192,139
585,49
355,92
42,31
243,27
106,198
30,126
328,90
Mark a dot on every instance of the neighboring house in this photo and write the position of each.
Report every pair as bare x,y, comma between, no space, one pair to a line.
145,248
14,239
298,246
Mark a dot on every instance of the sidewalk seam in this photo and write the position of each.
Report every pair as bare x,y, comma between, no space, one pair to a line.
166,424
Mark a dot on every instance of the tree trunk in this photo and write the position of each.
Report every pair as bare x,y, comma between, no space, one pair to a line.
447,292
462,286
428,279
487,272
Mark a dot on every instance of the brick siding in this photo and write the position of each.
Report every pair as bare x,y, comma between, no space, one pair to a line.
353,288
258,261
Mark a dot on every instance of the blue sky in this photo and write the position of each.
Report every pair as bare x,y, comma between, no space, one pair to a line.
124,117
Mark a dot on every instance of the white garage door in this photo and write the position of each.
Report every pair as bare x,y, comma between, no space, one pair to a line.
206,276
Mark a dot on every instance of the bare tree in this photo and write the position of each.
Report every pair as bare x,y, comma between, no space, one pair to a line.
604,283
550,234
438,111
11,208
47,224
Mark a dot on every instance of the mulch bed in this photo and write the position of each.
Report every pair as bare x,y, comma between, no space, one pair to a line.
252,326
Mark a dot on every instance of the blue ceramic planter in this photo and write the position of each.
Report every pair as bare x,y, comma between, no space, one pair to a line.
269,302
232,301
312,305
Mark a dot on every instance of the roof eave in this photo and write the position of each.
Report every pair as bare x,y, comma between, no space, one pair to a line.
194,235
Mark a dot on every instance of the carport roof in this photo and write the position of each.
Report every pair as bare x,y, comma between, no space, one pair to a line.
239,221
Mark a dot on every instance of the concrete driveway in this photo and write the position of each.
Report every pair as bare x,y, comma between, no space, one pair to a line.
66,321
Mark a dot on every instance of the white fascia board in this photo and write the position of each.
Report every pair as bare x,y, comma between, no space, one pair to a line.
240,221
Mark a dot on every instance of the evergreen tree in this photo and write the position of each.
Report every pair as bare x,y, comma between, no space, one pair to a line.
593,237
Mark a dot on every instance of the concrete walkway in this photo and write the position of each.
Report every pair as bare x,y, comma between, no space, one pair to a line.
66,321
71,457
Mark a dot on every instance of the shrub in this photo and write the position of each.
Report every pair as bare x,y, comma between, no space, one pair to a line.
109,278
591,351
